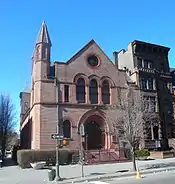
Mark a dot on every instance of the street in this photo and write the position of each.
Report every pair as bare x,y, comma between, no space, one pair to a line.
156,178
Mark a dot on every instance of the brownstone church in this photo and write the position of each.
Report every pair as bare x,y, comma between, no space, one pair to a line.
89,80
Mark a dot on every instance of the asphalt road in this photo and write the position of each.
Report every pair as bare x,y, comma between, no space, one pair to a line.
157,178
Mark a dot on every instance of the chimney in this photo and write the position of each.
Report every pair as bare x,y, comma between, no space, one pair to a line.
115,55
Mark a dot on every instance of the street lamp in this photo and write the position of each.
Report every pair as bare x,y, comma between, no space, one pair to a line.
58,178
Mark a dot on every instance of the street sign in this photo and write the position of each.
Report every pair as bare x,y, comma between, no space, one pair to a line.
57,136
82,130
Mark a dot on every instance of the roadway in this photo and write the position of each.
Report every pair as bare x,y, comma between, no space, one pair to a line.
155,178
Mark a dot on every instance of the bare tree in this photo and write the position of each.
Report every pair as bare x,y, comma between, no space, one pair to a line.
13,139
137,114
7,120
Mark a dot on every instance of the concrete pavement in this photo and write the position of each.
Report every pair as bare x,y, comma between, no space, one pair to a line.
156,178
15,175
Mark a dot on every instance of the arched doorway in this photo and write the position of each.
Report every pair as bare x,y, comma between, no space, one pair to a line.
94,128
93,135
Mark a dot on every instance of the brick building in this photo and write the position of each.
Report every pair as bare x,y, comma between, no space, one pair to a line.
88,80
148,66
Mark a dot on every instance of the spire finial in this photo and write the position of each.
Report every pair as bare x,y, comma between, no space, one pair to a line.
43,36
26,88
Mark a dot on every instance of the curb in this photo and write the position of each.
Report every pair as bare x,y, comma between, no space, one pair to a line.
112,176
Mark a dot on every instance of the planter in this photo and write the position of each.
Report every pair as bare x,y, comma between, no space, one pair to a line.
142,158
162,154
51,174
38,165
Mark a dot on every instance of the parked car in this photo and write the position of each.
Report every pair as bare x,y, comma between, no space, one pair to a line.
8,154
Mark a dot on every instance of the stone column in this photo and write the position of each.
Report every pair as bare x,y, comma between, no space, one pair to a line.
87,94
110,92
104,139
99,95
73,94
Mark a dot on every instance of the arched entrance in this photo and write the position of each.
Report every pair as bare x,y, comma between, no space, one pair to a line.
93,135
94,128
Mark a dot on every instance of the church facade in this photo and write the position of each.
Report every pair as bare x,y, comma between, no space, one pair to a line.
70,94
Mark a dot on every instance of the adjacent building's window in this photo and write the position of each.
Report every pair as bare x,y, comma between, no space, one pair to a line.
147,64
148,132
105,92
93,92
67,129
149,104
80,90
150,83
147,83
170,87
146,104
26,106
139,60
152,103
150,64
66,93
156,132
162,67
143,83
155,50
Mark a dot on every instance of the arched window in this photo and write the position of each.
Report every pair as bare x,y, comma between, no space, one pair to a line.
67,129
105,92
93,92
80,90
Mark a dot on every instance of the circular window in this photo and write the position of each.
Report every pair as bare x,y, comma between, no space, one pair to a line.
93,61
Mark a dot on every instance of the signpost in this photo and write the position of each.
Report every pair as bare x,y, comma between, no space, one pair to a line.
57,136
81,149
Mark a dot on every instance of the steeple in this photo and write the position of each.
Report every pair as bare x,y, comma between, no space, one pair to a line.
43,36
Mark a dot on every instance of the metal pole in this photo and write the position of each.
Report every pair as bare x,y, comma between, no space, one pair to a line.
82,162
58,178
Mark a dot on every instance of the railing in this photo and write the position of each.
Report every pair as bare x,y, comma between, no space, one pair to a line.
96,156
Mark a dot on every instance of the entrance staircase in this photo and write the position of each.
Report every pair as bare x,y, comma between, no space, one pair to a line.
102,156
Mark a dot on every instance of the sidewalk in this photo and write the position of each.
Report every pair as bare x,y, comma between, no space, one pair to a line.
115,175
72,174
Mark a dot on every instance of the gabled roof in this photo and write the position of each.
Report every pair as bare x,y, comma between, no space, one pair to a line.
43,35
84,49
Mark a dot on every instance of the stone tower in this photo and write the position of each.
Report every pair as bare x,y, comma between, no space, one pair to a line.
41,88
41,60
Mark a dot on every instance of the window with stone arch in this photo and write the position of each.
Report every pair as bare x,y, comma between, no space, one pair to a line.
80,91
105,91
67,129
93,91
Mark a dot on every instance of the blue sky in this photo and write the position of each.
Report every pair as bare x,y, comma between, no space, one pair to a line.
72,23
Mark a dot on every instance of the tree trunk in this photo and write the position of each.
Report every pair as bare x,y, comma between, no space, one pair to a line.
134,159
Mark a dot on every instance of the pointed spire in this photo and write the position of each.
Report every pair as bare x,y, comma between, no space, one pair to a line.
43,36
26,88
